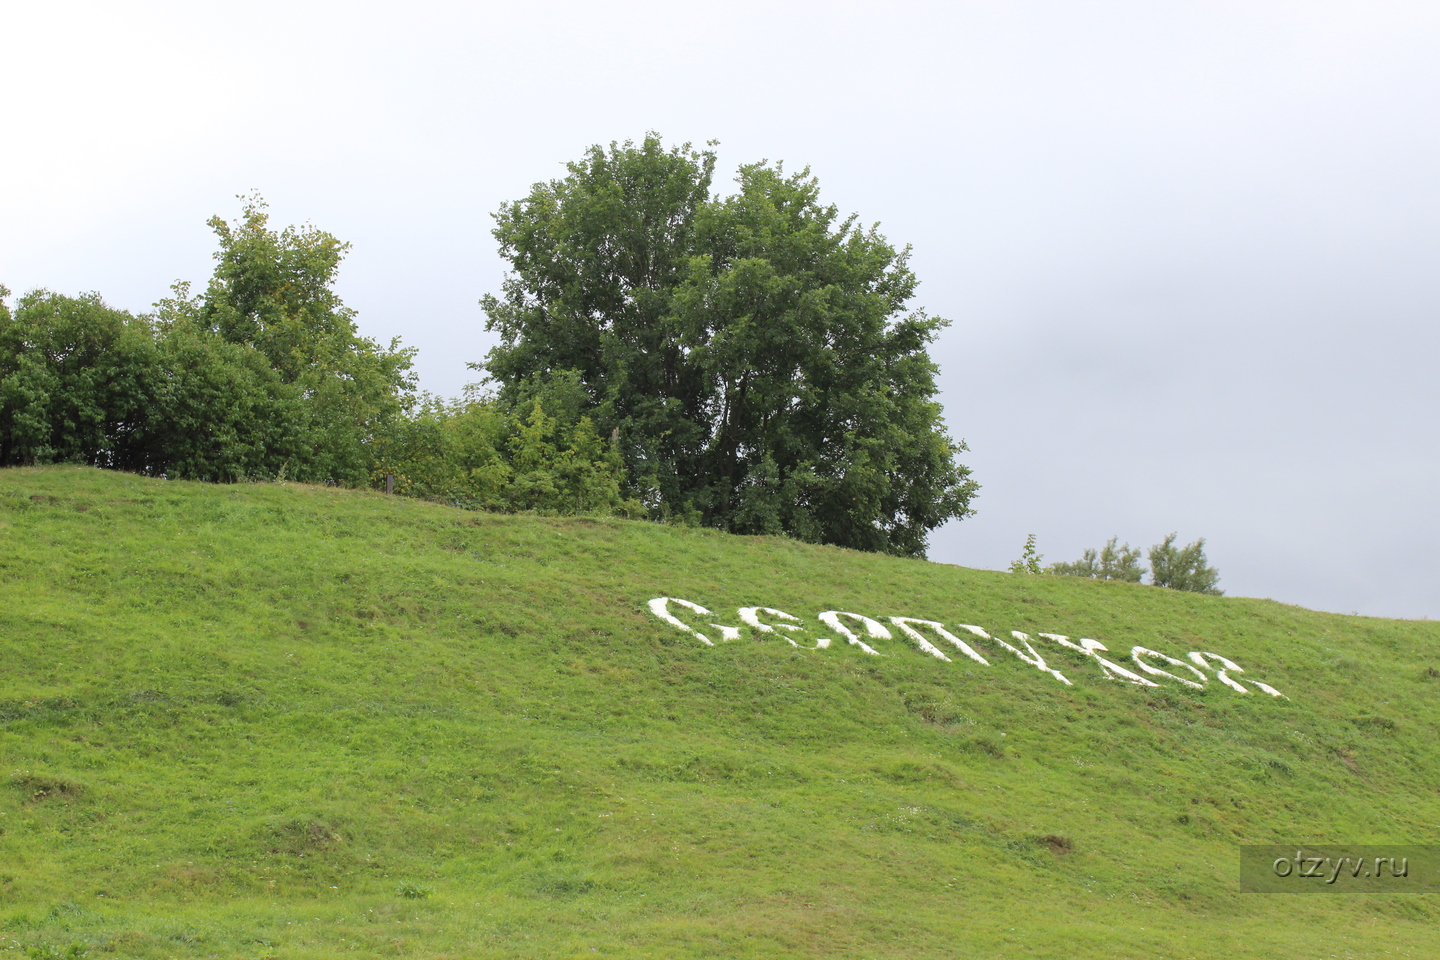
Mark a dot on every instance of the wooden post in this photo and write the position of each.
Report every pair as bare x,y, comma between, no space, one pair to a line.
389,483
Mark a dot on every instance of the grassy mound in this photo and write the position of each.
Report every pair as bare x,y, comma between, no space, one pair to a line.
272,720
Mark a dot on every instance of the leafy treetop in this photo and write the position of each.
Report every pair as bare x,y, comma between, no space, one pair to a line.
1179,568
753,354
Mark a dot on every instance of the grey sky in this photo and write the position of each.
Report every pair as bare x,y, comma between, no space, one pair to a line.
1189,250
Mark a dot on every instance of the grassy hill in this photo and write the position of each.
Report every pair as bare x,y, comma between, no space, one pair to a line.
282,721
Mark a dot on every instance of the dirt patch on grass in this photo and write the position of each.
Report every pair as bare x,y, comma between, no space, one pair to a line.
38,788
1056,844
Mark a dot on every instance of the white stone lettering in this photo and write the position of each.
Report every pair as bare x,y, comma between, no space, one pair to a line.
1229,667
660,606
1138,653
1035,660
750,616
935,638
1093,649
876,631
907,626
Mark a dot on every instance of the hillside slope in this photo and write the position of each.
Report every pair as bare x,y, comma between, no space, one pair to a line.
272,720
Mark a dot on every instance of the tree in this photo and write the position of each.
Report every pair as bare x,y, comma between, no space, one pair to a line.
1182,568
1178,568
224,412
1111,563
272,291
264,373
78,381
753,354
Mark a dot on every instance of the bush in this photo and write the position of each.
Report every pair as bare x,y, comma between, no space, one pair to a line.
1178,568
1111,563
1029,561
1182,568
482,453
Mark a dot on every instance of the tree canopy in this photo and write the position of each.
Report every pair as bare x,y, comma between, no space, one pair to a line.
263,374
1183,568
754,355
273,292
1178,568
77,381
1110,563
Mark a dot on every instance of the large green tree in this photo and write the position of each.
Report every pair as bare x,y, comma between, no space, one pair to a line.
755,355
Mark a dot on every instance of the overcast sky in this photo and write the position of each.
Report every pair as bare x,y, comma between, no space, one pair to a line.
1190,251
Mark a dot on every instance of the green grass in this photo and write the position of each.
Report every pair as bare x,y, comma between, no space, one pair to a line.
282,721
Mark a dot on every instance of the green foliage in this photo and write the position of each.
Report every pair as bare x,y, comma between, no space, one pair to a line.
481,453
1178,568
272,291
75,951
1182,568
1029,561
262,375
236,720
226,413
1111,563
570,471
77,382
265,376
753,354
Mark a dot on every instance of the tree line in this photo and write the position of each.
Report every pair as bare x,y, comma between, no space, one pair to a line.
748,362
1178,568
263,375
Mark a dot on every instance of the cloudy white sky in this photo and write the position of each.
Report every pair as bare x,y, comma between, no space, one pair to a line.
1189,250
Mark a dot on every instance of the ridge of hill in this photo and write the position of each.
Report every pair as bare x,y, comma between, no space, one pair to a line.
287,721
